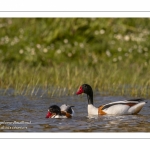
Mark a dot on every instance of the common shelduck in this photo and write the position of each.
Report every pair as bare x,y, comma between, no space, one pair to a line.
65,111
126,107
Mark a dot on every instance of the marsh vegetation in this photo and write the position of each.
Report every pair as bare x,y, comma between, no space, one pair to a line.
56,55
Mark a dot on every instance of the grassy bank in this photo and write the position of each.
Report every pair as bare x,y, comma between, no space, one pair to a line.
111,54
109,79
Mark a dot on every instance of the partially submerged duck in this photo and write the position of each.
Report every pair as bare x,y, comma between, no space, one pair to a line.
126,107
64,111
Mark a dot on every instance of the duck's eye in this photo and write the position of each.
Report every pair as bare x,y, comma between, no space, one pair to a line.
85,87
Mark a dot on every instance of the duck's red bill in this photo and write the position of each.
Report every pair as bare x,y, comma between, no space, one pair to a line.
80,91
48,115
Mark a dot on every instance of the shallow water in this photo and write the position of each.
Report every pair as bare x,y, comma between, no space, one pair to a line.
27,114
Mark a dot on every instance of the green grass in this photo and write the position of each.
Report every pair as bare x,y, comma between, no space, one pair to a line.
57,55
110,79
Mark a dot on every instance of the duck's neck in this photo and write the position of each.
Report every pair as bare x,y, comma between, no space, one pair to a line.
90,98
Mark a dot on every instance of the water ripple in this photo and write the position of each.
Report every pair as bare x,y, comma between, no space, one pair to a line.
33,110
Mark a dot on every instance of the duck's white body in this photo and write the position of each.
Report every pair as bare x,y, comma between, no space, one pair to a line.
92,110
126,107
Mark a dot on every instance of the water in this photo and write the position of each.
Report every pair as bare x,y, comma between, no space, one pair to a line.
27,114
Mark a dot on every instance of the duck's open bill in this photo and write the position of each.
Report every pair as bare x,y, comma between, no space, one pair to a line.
48,115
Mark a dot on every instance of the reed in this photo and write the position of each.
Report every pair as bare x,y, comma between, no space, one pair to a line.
113,80
54,56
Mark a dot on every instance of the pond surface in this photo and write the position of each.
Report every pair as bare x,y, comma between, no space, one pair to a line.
27,114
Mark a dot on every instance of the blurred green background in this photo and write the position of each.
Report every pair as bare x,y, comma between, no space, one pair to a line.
111,54
79,40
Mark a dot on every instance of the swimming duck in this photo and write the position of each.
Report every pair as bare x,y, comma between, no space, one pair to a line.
65,111
126,107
